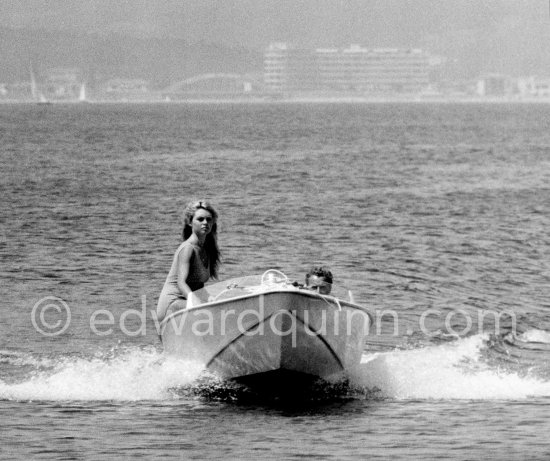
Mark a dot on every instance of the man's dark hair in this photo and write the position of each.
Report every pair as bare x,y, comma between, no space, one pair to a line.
320,271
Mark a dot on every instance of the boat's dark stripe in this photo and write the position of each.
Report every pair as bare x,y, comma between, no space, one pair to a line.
222,350
323,340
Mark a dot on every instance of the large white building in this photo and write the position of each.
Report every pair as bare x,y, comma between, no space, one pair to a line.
350,70
537,87
288,69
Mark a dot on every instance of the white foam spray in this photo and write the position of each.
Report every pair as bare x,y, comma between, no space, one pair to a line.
535,336
135,374
446,371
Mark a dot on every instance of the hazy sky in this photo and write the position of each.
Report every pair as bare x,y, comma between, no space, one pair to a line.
254,23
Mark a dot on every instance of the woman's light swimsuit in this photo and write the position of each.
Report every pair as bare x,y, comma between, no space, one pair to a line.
197,277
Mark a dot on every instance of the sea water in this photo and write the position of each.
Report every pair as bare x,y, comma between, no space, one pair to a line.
434,216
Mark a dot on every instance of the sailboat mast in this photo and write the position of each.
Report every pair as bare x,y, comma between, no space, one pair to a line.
34,88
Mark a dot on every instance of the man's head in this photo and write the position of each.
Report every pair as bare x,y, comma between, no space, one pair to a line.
319,279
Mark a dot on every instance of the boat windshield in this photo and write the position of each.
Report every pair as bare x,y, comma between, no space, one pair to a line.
253,284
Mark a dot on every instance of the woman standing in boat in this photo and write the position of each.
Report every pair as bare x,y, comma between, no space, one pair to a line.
195,261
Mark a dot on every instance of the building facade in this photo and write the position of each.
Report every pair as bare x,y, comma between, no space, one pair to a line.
536,87
62,83
351,70
495,85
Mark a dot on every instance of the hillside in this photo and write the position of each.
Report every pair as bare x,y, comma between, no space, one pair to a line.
159,61
468,54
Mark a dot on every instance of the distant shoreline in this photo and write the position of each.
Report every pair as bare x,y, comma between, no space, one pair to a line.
293,100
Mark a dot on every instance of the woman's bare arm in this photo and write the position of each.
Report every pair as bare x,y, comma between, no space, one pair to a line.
184,264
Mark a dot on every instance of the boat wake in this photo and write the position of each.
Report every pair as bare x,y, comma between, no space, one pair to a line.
460,369
535,336
123,375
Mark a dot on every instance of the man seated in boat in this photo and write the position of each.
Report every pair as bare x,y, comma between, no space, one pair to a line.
318,279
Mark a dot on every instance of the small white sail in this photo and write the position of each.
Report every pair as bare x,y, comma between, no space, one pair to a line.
34,88
36,94
82,94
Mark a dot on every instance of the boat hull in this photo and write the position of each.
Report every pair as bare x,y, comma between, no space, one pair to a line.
285,331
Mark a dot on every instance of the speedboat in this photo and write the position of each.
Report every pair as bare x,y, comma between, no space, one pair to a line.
265,329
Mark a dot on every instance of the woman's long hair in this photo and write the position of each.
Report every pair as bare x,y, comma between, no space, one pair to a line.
211,241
